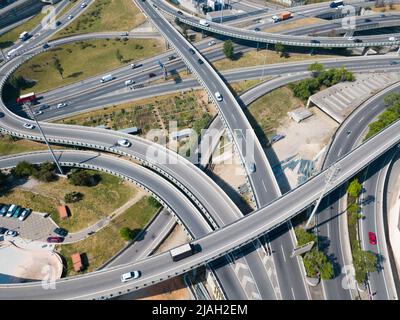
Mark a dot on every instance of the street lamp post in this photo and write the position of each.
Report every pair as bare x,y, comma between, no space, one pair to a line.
332,171
28,105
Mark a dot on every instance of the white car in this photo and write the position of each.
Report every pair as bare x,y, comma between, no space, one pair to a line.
218,96
130,275
124,143
392,39
61,105
350,38
129,82
83,5
70,17
11,233
37,112
251,167
211,43
28,126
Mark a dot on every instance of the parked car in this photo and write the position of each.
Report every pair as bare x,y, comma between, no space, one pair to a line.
24,214
124,143
130,276
4,209
17,212
55,239
11,210
372,238
29,126
218,96
3,230
11,233
60,231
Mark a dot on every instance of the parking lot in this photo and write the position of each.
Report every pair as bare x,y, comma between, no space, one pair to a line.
35,227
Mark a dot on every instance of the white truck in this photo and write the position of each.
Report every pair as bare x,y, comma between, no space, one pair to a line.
23,36
181,252
204,22
107,78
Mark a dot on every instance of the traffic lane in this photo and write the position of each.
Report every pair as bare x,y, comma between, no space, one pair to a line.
298,198
329,242
188,214
369,209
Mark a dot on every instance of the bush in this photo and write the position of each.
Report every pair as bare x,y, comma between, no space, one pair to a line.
23,169
304,236
73,196
316,262
153,202
126,234
354,188
3,179
45,172
79,177
364,262
228,49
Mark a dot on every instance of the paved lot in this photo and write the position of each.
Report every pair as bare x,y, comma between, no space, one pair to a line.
35,227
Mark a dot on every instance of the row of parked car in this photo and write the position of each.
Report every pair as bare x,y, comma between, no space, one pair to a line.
14,211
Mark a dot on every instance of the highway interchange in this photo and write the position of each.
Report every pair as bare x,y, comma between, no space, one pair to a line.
179,171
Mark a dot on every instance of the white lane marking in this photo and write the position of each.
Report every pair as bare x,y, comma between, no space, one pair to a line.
264,185
294,297
283,253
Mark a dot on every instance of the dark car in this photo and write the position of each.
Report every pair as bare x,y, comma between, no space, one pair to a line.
393,62
200,61
58,23
61,232
43,107
367,20
315,41
46,46
55,239
358,40
171,57
179,12
152,75
191,51
4,210
1,114
3,230
256,29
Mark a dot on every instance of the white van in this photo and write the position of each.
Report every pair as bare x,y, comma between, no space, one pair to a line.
204,22
23,36
107,78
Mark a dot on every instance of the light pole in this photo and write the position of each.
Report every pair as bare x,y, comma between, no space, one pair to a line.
330,175
265,61
28,105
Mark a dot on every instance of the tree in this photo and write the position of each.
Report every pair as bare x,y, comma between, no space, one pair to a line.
58,67
23,169
316,262
79,177
364,262
119,56
280,48
3,179
73,196
153,202
126,234
304,236
316,68
228,49
45,172
354,188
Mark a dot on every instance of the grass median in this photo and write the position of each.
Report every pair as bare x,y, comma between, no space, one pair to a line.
104,244
105,15
98,201
10,37
74,62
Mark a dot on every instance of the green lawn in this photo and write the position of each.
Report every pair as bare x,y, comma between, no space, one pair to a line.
7,39
105,15
98,201
84,59
240,87
266,113
10,146
107,242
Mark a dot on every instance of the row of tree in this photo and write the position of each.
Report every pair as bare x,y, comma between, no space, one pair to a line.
43,172
320,77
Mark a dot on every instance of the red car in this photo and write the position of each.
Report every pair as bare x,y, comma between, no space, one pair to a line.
372,238
55,239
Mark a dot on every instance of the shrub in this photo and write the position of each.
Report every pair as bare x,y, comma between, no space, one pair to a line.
126,234
73,196
153,202
23,169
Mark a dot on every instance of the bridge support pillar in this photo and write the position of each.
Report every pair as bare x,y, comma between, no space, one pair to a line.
365,51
